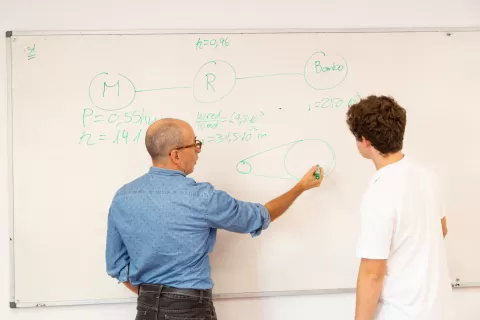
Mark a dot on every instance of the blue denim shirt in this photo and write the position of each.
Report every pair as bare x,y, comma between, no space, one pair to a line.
162,226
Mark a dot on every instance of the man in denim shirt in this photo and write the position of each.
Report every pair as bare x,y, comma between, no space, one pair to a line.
162,226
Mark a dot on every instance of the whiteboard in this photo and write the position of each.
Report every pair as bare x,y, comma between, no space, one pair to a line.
268,105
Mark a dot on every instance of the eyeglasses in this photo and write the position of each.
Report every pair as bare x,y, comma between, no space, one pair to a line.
197,144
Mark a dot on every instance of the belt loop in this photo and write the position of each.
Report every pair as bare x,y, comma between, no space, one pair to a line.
201,296
157,305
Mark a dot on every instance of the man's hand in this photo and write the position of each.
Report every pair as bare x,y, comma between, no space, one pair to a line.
278,206
309,180
131,287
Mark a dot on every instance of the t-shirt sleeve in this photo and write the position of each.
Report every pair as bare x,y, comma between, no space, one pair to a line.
377,220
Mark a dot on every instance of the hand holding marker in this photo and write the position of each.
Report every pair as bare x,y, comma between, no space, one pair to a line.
312,179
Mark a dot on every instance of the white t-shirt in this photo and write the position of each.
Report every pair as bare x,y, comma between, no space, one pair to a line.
401,215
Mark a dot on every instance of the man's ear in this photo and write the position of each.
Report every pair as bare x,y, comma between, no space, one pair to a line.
174,156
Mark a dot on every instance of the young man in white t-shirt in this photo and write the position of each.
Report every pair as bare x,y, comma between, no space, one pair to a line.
403,271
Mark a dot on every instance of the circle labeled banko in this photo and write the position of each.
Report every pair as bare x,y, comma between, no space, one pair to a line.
324,71
111,92
214,81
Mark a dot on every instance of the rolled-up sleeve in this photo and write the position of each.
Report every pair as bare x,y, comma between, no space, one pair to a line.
117,258
226,212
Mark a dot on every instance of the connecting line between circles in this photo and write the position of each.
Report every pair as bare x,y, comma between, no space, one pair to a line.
271,75
160,89
238,78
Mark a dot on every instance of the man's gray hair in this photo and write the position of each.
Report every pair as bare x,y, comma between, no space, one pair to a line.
163,139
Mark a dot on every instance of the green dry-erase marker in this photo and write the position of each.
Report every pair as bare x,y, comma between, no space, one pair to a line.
317,173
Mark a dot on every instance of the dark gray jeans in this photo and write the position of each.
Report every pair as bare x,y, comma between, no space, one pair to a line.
158,302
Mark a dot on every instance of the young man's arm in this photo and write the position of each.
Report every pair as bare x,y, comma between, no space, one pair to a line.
369,287
441,195
444,226
373,247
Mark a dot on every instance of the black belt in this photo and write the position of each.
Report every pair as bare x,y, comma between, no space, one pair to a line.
188,292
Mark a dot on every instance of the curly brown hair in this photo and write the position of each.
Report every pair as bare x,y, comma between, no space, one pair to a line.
381,120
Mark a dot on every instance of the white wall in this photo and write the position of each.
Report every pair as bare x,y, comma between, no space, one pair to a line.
155,14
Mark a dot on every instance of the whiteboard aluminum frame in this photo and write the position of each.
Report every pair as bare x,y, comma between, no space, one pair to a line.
239,31
10,37
10,189
267,294
215,297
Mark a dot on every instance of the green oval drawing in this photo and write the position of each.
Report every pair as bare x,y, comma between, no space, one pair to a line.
327,172
288,175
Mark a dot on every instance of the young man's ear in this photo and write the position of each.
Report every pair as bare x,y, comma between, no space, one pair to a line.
365,142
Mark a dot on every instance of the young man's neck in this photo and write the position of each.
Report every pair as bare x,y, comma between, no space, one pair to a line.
381,161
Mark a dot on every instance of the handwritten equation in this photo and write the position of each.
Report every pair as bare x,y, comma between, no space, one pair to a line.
121,136
333,103
212,120
231,137
212,43
112,127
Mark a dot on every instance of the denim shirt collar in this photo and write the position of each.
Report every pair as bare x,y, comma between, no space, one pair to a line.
165,172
